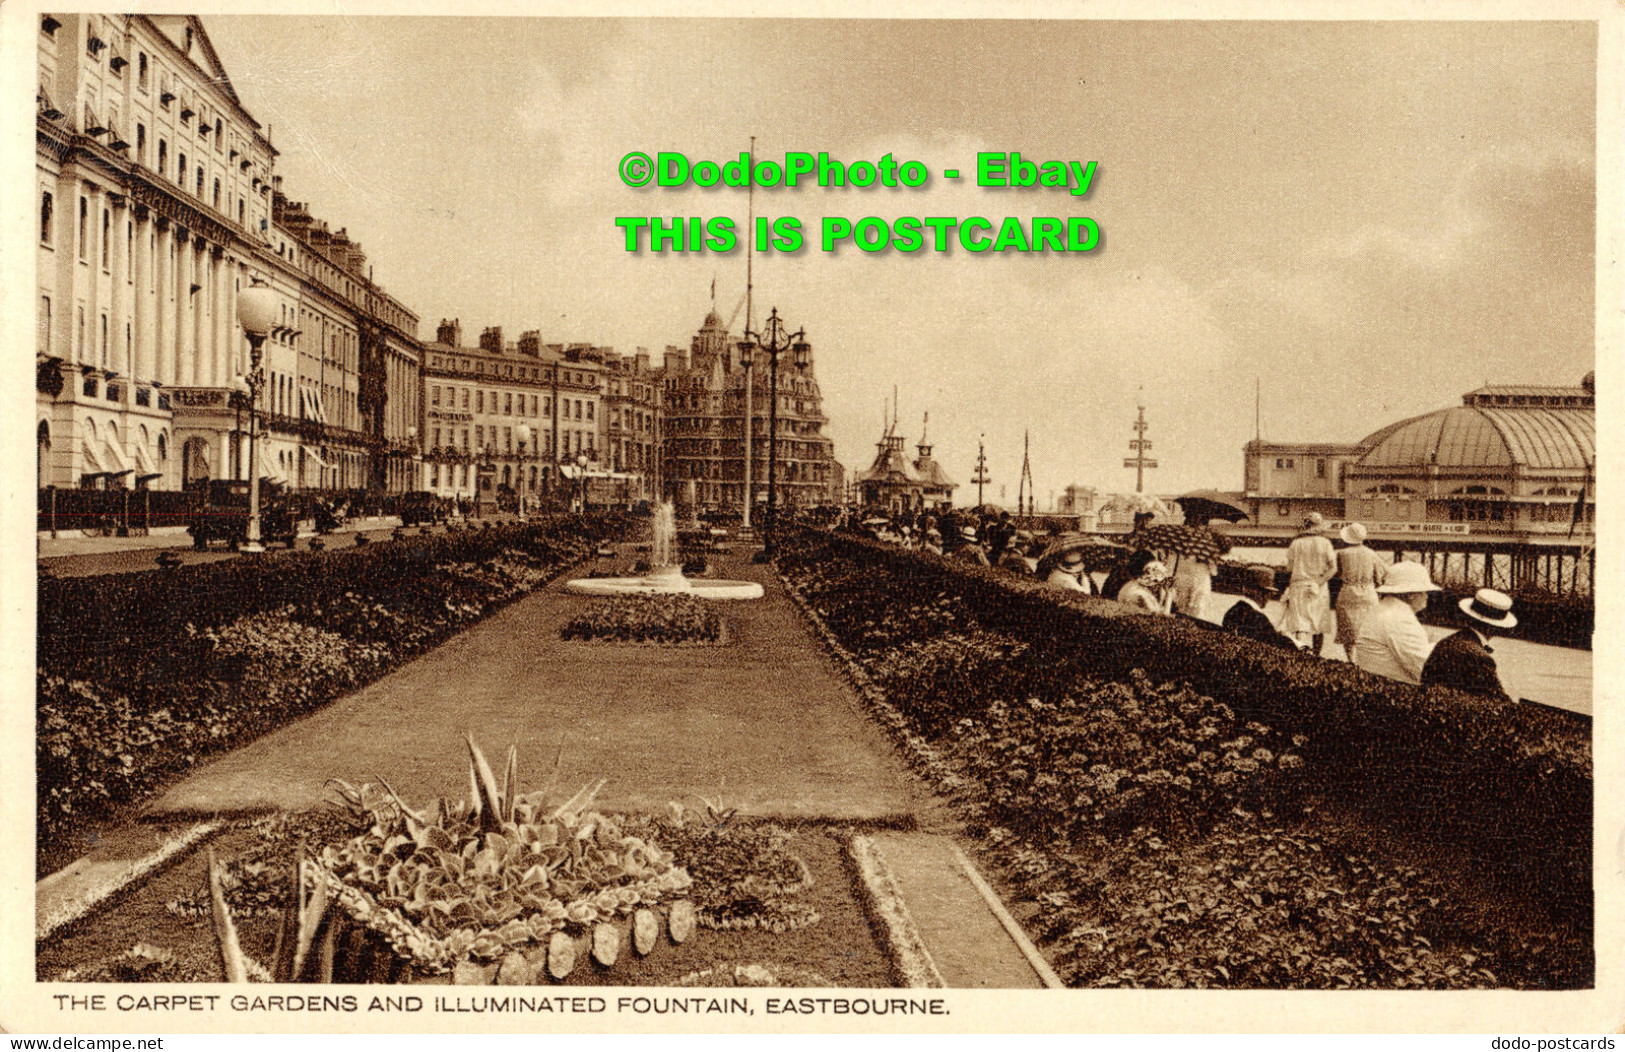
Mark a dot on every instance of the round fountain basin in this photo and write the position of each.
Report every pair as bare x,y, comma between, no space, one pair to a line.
663,584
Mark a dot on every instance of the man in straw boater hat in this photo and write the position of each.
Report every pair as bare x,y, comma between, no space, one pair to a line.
1392,641
971,551
1311,562
1069,575
1462,661
1247,617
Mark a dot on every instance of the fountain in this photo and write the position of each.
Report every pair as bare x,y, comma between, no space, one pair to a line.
666,576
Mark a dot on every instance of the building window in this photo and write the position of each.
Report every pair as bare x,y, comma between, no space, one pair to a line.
84,228
589,410
434,399
141,143
104,342
200,180
1320,468
47,218
180,170
141,70
107,238
44,324
507,438
479,402
241,221
163,156
217,195
219,127
465,399
507,404
479,436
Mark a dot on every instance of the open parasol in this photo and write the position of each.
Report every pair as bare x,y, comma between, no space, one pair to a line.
1098,555
1198,542
1205,504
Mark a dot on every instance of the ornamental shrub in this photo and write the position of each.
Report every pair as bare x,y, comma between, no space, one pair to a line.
1508,785
141,675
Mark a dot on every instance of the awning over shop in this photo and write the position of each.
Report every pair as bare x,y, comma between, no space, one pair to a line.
311,400
92,461
143,461
115,456
311,454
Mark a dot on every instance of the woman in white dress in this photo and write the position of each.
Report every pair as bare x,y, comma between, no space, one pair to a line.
1361,572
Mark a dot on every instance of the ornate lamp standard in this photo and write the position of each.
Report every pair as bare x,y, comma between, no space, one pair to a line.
257,314
522,433
775,339
412,457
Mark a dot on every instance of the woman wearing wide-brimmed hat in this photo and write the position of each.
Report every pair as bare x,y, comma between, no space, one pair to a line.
1311,562
1361,572
1145,591
1392,641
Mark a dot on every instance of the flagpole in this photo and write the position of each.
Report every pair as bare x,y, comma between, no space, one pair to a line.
750,258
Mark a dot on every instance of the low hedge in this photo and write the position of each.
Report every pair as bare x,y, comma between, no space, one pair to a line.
1508,785
142,675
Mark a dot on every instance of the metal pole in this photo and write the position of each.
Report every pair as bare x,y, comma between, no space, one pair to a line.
252,544
749,464
772,436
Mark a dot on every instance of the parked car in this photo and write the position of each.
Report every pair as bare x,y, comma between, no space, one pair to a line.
421,507
223,515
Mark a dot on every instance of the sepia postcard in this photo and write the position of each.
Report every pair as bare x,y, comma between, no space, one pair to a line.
842,517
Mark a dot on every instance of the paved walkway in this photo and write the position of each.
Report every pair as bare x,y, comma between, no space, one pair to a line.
762,722
1558,676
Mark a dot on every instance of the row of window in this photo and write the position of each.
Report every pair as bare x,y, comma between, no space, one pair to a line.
571,441
483,401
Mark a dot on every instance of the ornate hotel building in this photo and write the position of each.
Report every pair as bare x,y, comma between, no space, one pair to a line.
703,427
157,205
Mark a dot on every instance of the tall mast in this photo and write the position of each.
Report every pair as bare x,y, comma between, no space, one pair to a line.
750,258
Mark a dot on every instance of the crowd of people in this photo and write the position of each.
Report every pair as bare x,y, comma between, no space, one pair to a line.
1374,618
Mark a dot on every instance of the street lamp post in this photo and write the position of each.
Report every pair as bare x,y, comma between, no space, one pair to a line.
581,466
775,339
256,313
523,434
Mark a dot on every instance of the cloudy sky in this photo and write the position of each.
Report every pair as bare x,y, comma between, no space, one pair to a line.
1367,218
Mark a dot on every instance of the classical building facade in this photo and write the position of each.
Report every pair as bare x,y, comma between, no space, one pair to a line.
631,417
704,401
480,403
156,207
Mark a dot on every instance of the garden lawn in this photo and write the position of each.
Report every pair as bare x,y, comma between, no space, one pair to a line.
762,722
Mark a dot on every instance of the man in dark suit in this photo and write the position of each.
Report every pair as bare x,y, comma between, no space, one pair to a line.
1463,661
1247,617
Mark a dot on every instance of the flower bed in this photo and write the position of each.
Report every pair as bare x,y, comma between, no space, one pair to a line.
1113,801
666,619
141,675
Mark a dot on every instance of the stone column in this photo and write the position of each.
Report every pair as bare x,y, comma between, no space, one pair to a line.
163,314
141,368
198,256
185,347
123,351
